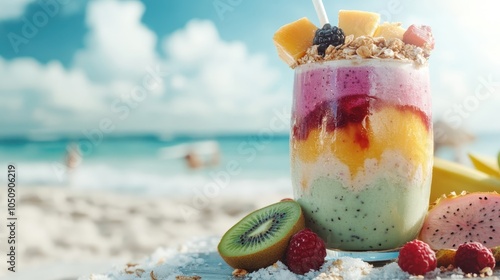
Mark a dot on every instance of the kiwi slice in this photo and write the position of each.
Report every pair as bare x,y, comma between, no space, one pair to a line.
261,238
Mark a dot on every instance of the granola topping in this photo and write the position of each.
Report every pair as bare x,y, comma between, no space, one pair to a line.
366,47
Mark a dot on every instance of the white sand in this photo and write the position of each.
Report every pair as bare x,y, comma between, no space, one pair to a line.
65,233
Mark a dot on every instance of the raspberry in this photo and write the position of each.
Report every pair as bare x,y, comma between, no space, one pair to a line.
305,251
327,36
417,258
472,257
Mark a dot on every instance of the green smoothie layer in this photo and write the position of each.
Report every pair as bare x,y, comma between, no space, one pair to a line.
383,216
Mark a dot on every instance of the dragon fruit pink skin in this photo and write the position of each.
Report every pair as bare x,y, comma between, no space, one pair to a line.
468,217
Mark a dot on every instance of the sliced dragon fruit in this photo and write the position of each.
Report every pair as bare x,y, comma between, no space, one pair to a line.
467,217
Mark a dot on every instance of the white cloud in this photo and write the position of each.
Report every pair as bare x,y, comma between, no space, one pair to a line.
10,9
64,90
46,96
228,88
212,85
118,46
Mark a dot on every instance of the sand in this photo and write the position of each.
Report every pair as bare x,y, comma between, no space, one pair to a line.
64,233
67,234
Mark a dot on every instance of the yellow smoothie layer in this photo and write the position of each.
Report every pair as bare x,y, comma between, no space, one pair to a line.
407,134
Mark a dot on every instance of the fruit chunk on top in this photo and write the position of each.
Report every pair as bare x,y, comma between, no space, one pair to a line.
358,23
292,40
419,35
390,31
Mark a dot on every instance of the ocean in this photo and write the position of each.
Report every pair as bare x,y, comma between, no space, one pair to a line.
152,165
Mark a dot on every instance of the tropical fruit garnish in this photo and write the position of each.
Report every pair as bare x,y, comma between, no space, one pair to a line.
261,238
419,35
498,159
485,164
390,31
445,257
358,23
469,217
292,40
448,176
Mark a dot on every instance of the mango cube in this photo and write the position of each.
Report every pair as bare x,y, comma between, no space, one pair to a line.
292,40
358,23
390,31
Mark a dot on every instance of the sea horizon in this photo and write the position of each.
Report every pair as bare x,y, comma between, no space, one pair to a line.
150,164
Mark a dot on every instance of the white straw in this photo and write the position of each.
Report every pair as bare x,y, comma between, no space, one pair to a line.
320,10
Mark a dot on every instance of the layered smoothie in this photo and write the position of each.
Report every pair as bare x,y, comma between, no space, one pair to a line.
361,131
361,150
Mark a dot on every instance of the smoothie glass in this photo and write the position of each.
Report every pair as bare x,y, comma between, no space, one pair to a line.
362,150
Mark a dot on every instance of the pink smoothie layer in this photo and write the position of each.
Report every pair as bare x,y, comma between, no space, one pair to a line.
317,83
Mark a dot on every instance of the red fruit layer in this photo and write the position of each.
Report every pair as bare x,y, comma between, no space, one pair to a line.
354,109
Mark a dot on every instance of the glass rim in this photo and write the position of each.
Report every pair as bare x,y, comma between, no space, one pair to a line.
360,62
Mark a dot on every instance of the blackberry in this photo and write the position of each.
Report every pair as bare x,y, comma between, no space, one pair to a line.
326,36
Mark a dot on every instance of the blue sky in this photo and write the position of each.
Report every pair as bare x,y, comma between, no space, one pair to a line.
208,66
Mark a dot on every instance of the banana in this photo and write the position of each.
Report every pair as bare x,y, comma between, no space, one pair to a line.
485,164
448,176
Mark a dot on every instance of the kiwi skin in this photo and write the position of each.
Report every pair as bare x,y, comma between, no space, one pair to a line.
267,256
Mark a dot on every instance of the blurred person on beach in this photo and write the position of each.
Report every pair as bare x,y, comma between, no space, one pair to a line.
195,161
72,160
196,155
